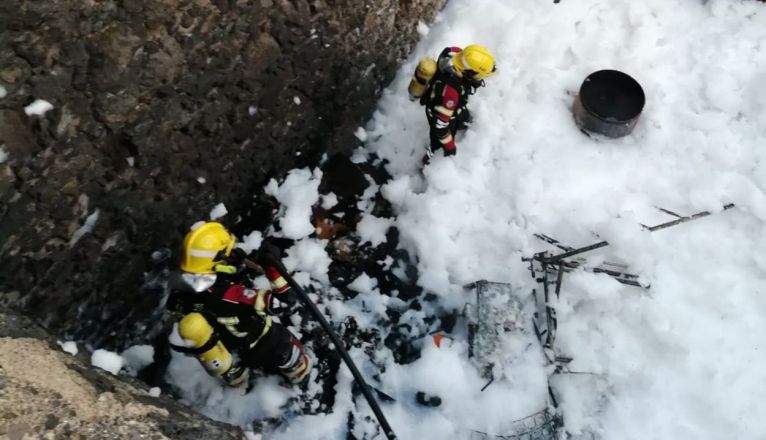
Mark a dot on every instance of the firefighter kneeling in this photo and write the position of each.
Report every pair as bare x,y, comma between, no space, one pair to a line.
227,325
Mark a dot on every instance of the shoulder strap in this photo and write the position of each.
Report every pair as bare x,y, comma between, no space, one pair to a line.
440,80
199,350
451,80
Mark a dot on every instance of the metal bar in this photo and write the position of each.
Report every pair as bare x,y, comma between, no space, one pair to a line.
620,277
614,273
666,211
553,241
573,252
600,244
554,401
539,333
685,219
550,313
571,265
545,285
621,266
583,261
492,379
578,261
559,279
627,282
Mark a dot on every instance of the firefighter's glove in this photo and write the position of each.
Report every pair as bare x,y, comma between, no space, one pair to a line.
474,84
268,255
266,303
279,308
237,257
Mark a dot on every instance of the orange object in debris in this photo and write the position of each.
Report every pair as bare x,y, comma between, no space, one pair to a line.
438,339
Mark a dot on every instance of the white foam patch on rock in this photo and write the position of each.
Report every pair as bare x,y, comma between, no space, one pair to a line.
373,229
297,194
86,228
137,357
360,155
218,211
38,108
251,241
69,347
361,134
250,435
309,255
107,360
329,200
423,29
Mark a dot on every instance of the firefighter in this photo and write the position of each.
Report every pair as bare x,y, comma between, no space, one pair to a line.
226,323
456,75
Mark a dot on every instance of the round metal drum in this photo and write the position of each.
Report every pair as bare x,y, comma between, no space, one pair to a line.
609,103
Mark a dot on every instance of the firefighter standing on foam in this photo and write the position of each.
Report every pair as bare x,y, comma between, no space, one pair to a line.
226,324
443,87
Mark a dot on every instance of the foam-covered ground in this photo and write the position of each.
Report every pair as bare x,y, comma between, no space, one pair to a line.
682,359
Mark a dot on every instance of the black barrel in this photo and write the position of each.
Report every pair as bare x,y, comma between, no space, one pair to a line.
609,103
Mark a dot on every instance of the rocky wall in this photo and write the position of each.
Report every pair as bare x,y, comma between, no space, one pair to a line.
161,110
48,394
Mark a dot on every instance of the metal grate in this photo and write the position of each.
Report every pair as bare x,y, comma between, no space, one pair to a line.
542,425
498,311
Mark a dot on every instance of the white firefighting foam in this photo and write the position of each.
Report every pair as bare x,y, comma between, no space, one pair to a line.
683,359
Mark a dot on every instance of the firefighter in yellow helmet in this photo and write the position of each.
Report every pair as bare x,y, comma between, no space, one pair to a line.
227,323
443,87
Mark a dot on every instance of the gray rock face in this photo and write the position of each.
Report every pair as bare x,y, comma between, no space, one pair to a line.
48,394
162,109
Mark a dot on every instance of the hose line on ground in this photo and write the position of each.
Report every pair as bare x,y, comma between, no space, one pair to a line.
339,347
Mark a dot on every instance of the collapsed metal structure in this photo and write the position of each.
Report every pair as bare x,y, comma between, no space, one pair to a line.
493,300
495,314
548,271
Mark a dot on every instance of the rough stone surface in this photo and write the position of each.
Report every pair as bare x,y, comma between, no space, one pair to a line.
151,98
48,394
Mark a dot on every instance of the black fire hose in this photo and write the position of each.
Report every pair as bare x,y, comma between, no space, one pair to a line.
338,345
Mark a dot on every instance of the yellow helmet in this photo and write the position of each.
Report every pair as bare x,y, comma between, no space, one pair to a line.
207,244
475,62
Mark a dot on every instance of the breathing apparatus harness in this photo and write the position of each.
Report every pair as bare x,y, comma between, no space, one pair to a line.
214,338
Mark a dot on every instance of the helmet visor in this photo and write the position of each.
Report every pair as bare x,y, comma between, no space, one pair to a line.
472,74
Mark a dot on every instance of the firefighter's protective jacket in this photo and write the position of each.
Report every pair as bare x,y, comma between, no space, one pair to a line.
445,102
239,314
